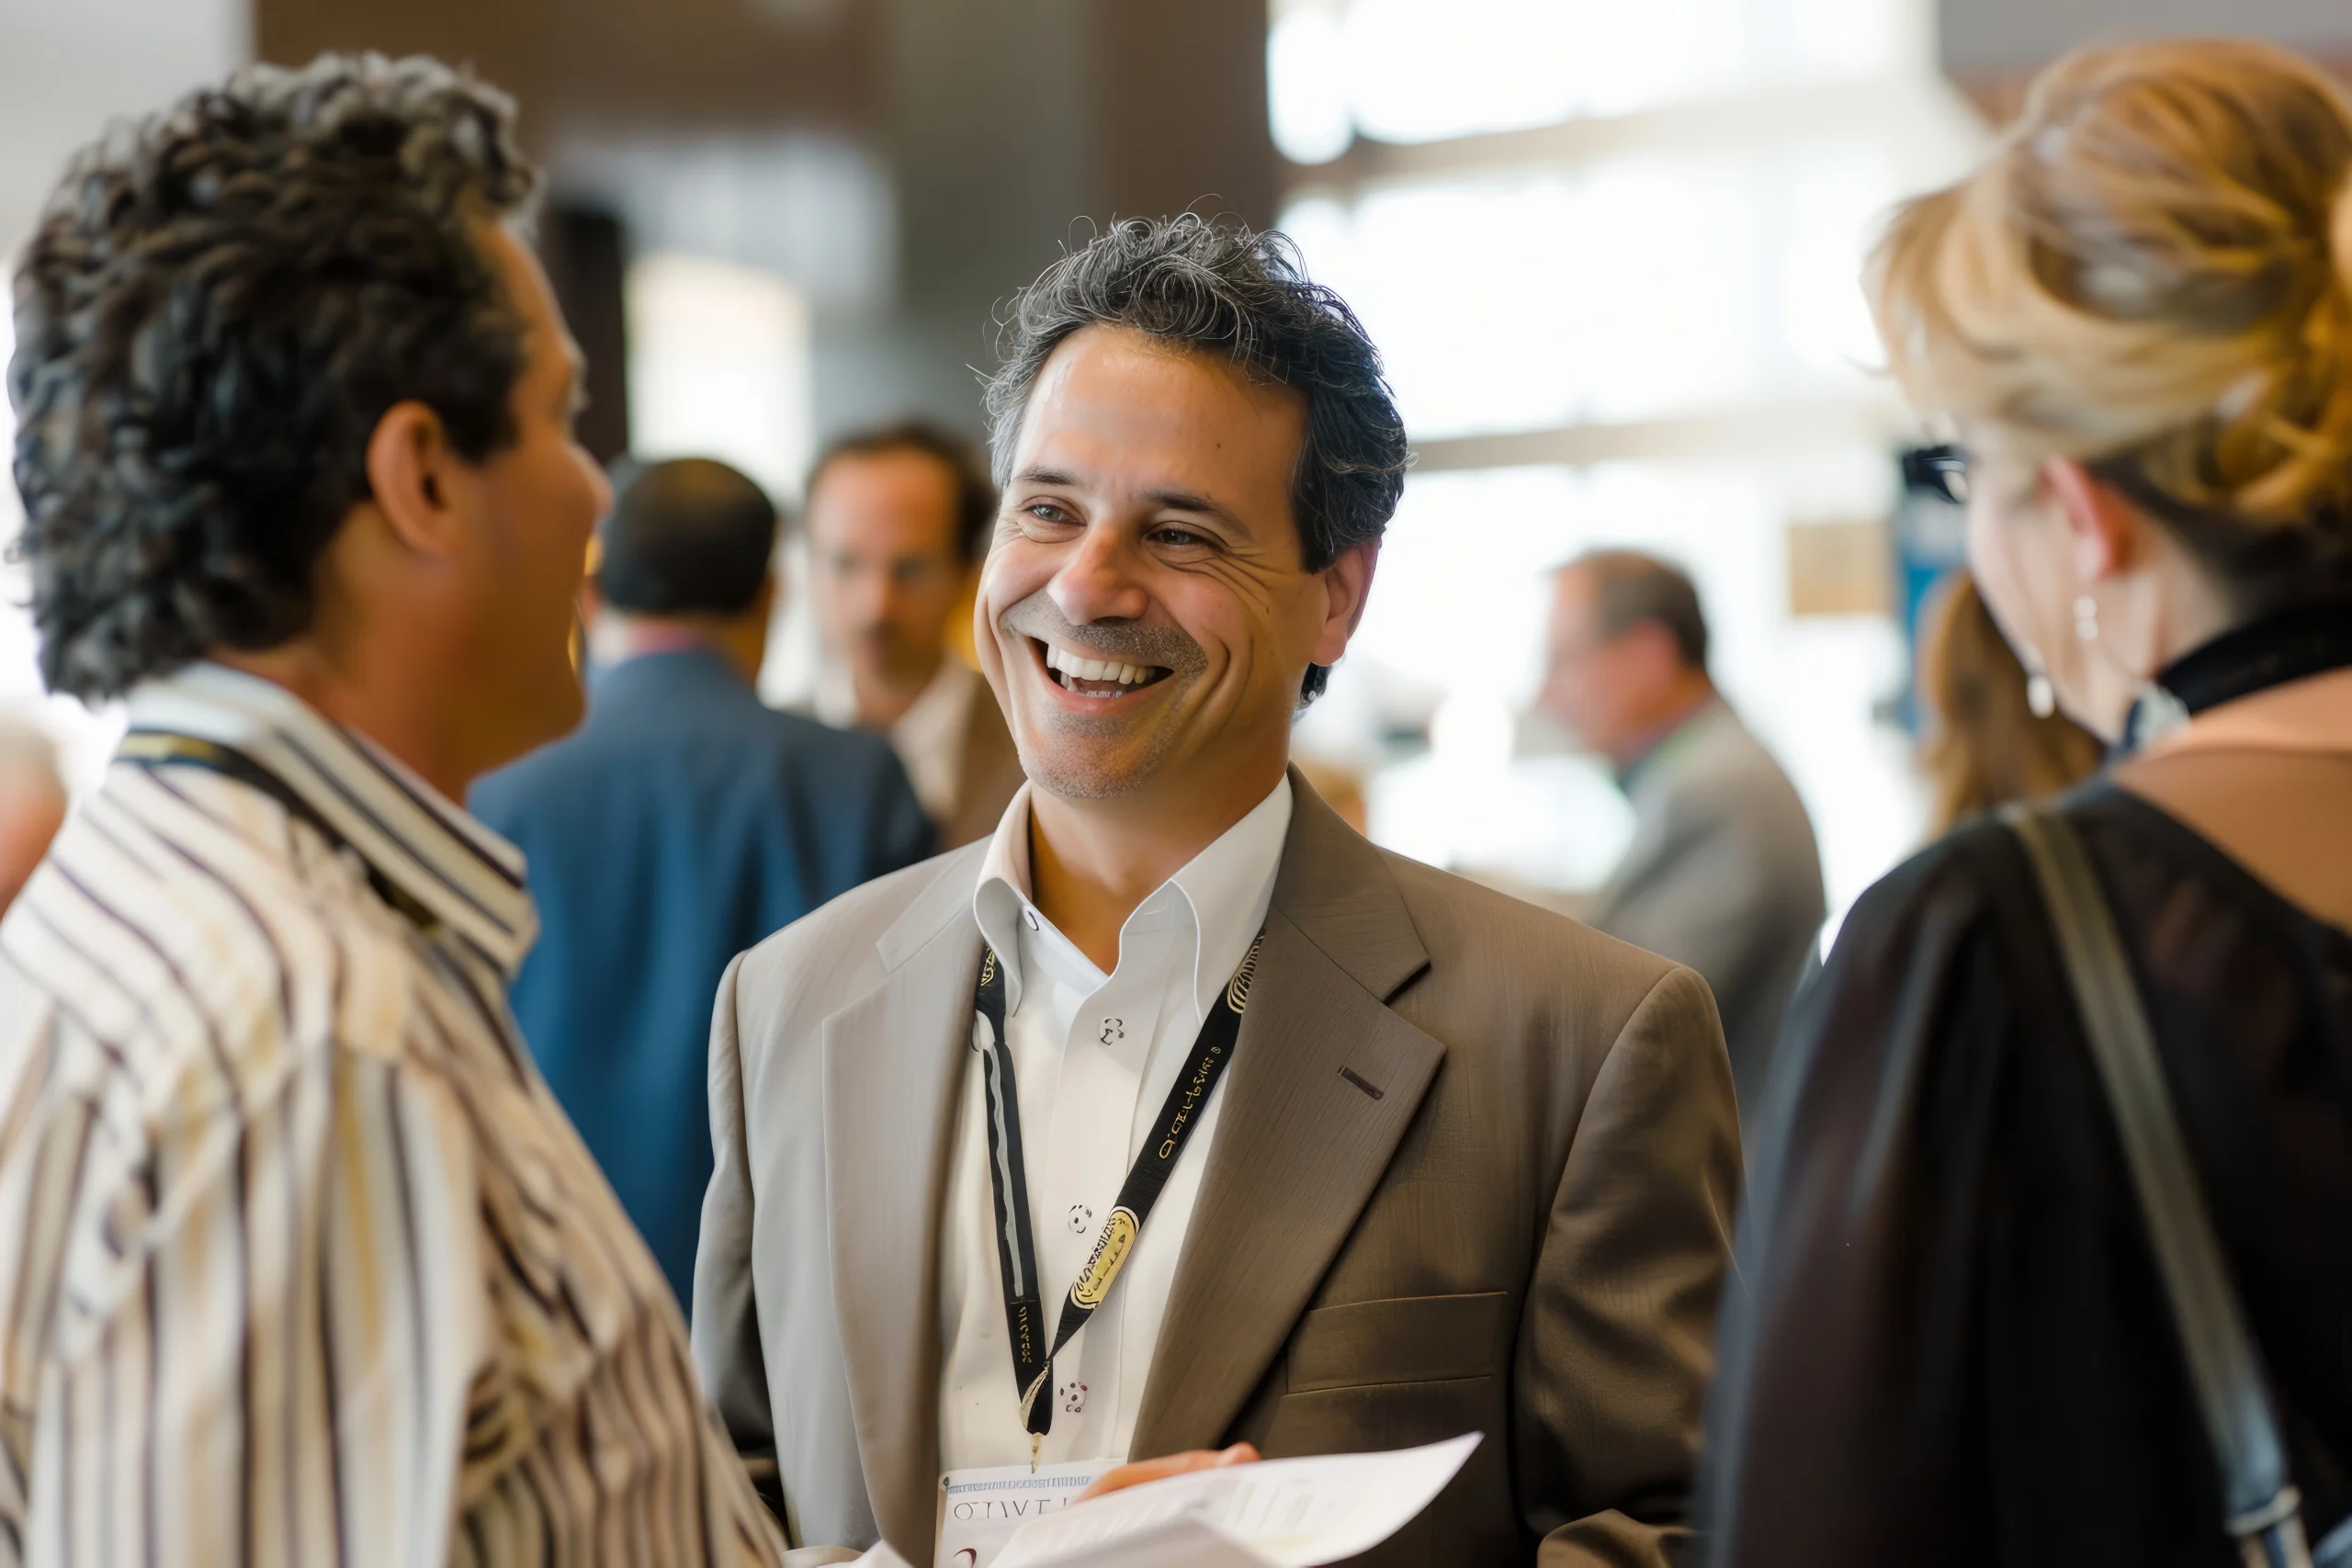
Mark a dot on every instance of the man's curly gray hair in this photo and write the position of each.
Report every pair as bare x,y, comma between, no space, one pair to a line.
1218,287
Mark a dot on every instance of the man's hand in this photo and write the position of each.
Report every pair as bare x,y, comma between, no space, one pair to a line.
1145,1470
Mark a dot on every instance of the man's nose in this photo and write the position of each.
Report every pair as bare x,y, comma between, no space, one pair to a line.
1098,580
866,591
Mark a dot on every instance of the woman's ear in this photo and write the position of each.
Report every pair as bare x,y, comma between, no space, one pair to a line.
2104,528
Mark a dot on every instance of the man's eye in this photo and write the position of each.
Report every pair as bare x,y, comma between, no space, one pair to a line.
1178,537
1047,512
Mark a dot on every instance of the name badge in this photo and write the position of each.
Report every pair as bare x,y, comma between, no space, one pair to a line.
980,1508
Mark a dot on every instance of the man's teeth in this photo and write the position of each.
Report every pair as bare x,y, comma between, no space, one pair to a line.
1079,668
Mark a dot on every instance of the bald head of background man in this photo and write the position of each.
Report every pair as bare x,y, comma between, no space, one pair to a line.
685,557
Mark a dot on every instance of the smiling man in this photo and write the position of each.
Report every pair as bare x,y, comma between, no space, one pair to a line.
1176,1121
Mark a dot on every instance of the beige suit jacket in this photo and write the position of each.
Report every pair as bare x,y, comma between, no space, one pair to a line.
1475,1171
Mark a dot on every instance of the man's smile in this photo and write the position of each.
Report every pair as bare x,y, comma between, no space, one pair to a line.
1078,672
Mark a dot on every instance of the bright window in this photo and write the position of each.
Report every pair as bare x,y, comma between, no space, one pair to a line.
1454,639
1414,71
1639,289
1660,294
718,368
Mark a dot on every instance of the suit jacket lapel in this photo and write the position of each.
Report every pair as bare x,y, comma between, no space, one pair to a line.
894,1067
1324,1082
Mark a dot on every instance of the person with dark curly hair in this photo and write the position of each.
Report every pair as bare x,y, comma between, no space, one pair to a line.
299,1261
1175,1122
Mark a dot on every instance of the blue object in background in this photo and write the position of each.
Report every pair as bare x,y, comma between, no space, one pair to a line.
1930,540
681,824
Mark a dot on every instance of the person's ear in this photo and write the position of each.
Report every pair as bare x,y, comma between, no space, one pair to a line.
412,478
1347,585
2103,529
1655,655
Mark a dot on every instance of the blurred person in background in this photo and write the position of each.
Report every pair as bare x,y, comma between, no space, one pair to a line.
680,824
1954,1342
32,803
299,1261
1987,746
898,520
1722,873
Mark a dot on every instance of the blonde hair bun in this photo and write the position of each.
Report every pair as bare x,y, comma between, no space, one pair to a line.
2151,269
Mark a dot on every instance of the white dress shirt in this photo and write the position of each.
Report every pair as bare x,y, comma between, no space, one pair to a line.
1094,1057
928,737
299,1261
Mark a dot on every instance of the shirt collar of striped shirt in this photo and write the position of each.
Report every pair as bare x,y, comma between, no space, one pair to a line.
467,876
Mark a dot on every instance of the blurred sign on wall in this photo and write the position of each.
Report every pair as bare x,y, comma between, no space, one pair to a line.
1840,567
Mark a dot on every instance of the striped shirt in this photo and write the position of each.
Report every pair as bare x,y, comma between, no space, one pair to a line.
299,1262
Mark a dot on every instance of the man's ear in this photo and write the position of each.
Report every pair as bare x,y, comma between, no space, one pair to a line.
1657,656
410,478
2104,528
1347,582
763,608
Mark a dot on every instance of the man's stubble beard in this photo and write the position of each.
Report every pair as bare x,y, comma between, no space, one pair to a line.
1086,777
1082,772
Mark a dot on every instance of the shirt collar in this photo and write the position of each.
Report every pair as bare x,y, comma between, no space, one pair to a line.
464,875
833,696
943,701
1222,892
929,737
1668,740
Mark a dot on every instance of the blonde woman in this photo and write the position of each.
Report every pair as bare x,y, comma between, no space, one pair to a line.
1950,1342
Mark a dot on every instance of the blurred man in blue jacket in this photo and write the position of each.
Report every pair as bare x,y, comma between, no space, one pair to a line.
681,824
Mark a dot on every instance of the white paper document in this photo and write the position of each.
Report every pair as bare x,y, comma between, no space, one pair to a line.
1282,1513
979,1508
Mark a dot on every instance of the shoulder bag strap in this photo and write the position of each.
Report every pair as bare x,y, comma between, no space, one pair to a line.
2264,1511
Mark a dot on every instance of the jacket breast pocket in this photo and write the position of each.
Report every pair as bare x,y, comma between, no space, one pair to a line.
1403,1339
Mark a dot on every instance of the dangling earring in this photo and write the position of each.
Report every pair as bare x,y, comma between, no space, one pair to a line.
2039,696
2086,619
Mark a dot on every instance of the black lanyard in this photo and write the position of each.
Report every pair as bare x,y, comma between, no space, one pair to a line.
1016,1248
167,748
